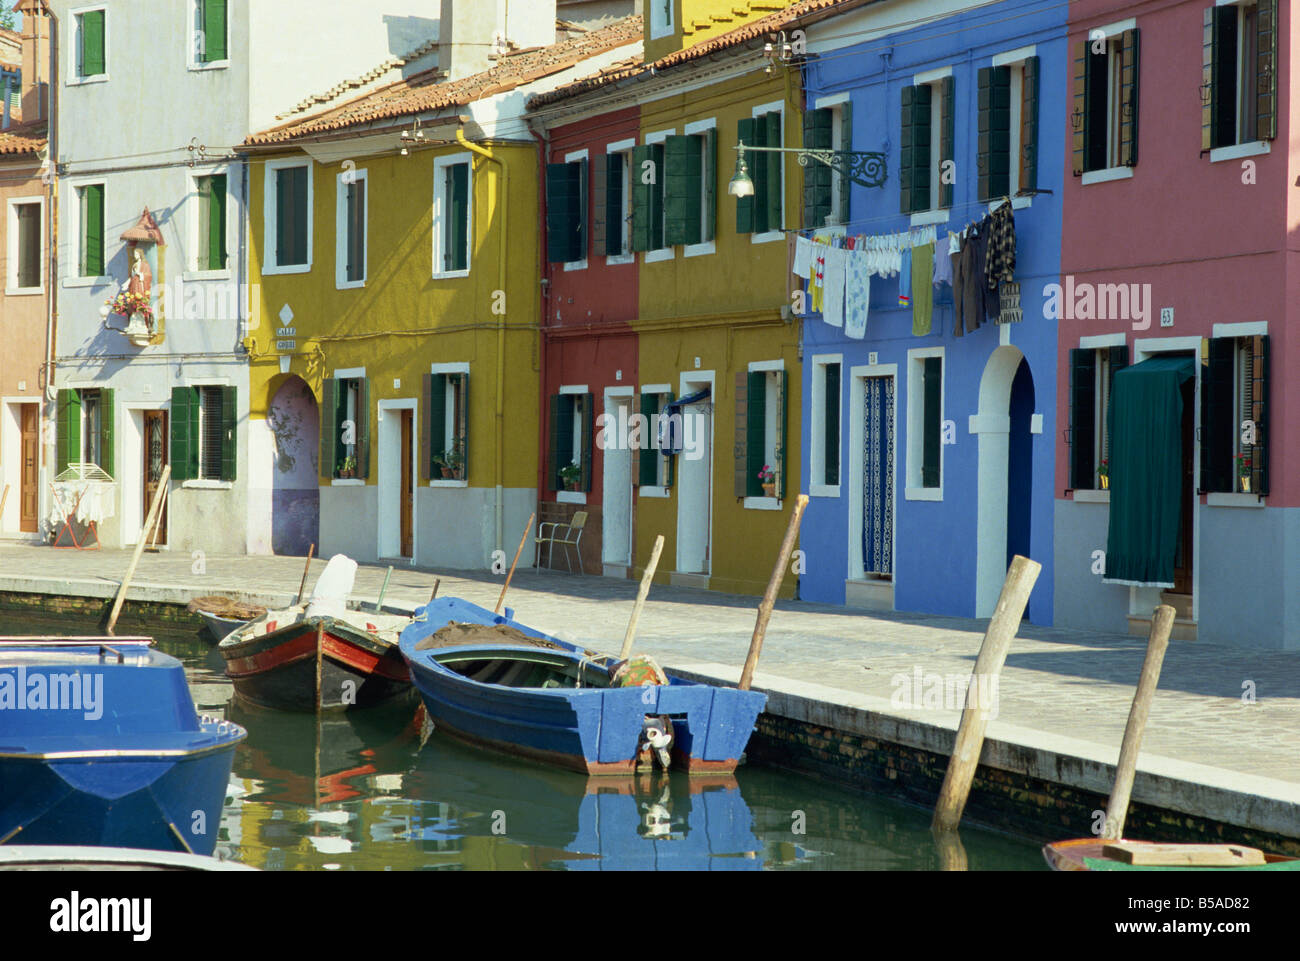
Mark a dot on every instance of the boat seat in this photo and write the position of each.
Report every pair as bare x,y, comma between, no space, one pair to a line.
566,535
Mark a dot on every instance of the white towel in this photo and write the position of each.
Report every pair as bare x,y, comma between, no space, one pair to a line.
833,298
803,257
858,294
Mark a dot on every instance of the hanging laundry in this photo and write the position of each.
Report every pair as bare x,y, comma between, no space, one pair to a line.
1002,246
833,297
922,288
857,293
943,262
816,276
905,278
803,256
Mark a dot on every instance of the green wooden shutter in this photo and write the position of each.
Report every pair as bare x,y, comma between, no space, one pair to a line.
1218,417
588,407
641,196
92,230
683,202
107,431
745,133
1079,109
582,208
1265,74
426,426
185,433
664,401
283,211
563,438
779,448
614,204
1083,418
92,43
775,217
994,150
756,432
462,423
1129,83
560,227
214,30
229,433
29,239
1209,73
1223,78
914,166
709,187
907,151
816,175
600,205
1260,412
846,144
438,441
647,466
67,424
216,239
932,420
363,427
458,246
355,215
329,427
657,198
300,215
831,419
947,148
1028,158
740,460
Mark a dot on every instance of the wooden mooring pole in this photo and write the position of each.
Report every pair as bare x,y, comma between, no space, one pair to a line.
303,586
974,716
641,593
1162,625
519,550
769,597
151,519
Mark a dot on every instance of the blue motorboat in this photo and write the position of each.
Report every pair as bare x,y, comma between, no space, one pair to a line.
536,696
100,744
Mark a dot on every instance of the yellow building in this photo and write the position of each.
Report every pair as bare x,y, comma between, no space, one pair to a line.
394,247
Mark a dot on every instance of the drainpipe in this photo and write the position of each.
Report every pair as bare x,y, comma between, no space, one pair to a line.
52,220
543,139
501,326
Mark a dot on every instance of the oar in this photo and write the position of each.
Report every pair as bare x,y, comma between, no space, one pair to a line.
303,586
1162,624
150,520
434,595
379,604
518,551
153,541
4,497
769,598
646,578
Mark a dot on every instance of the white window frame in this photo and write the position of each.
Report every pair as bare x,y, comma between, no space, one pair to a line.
1015,59
835,104
769,430
193,214
666,252
817,426
1114,65
449,422
574,497
341,281
73,201
440,165
625,148
661,20
935,214
270,218
348,373
192,59
200,483
12,249
650,444
74,77
913,491
577,156
775,106
696,129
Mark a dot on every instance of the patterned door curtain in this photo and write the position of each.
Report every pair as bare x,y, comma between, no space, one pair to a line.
878,476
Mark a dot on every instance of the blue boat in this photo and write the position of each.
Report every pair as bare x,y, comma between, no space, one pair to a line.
100,745
552,701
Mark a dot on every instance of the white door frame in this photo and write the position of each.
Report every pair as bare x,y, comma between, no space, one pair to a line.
857,424
130,473
992,428
699,377
382,481
616,397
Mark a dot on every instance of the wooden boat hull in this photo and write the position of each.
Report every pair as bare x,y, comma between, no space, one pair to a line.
1085,854
67,857
594,730
219,628
279,670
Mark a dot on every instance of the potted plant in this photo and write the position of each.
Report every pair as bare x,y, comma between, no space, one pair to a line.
348,468
767,477
453,460
138,311
571,475
440,464
1243,472
1104,473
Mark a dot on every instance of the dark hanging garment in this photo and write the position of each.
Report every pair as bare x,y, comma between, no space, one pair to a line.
978,304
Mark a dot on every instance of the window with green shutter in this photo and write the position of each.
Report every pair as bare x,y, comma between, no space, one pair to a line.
683,190
612,227
762,212
354,229
817,135
292,208
452,182
67,429
760,431
445,437
1235,415
830,452
932,422
1092,419
213,14
648,197
212,222
90,200
91,56
1238,74
915,140
994,136
1104,116
566,212
27,271
185,439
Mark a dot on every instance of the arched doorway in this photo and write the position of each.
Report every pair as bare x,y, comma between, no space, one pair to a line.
1003,426
293,419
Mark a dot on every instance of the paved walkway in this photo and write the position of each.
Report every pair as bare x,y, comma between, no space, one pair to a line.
1058,682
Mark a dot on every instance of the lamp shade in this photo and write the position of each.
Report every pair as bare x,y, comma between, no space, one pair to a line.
741,185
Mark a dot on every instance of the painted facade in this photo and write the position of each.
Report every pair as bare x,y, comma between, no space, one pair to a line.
879,532
1207,270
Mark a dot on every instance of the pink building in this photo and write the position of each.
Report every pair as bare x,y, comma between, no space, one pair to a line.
1177,477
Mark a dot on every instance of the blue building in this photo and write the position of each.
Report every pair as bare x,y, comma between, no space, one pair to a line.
930,457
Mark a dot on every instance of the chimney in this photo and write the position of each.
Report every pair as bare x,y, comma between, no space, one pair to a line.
36,61
472,33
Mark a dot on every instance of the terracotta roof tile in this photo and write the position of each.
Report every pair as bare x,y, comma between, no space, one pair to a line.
428,91
23,139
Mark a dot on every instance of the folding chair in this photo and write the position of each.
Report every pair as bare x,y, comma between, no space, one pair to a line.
566,535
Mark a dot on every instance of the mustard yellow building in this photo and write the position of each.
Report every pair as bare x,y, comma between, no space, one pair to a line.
394,352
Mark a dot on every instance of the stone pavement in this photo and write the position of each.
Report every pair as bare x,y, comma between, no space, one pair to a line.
1071,684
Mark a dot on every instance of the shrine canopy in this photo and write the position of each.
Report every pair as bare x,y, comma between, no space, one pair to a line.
145,231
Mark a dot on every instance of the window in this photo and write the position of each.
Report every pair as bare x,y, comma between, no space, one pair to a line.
345,426
661,18
211,241
350,230
925,419
761,213
826,194
1092,379
24,246
566,211
91,58
1007,161
289,217
648,197
446,427
1238,74
84,428
925,170
570,441
611,226
690,186
1105,114
761,430
452,215
212,29
653,468
1235,414
90,230
203,422
825,425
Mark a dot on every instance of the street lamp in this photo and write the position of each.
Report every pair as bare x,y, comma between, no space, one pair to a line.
741,185
864,168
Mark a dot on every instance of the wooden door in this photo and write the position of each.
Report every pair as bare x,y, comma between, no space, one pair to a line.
155,459
408,492
1183,555
29,492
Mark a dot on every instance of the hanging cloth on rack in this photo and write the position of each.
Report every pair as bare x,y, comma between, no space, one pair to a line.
857,294
833,296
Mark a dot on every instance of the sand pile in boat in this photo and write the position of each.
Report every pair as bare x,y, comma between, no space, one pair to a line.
226,607
455,634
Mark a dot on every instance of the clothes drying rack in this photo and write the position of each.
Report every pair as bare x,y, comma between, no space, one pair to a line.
67,502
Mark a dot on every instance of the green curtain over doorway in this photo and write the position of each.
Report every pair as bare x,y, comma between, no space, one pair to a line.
1146,471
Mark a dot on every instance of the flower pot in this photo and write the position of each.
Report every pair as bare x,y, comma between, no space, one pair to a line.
1245,485
571,485
347,474
1105,482
447,472
769,490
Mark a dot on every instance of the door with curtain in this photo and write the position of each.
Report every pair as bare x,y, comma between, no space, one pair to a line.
878,478
155,459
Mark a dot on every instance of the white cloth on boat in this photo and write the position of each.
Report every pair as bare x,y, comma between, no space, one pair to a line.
329,597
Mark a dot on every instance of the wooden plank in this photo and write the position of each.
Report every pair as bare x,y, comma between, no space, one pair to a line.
1192,855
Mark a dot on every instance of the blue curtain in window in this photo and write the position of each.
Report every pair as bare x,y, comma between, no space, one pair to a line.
878,477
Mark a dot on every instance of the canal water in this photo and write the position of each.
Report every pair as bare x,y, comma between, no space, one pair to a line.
376,790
